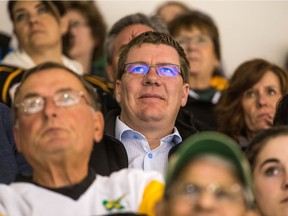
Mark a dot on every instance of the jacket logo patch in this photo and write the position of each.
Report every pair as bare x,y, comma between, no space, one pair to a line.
113,204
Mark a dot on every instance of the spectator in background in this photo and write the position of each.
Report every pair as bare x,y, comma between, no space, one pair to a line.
249,103
86,35
38,27
198,34
57,119
151,86
84,42
11,161
281,115
208,175
268,156
122,32
168,10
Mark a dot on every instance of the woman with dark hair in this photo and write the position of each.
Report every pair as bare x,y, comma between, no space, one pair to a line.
198,35
86,36
249,103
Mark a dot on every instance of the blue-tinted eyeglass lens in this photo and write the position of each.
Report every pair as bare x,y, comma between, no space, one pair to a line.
167,70
138,68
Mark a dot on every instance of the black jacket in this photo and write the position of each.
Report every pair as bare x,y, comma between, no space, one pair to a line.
110,154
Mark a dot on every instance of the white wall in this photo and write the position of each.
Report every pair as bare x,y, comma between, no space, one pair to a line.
248,29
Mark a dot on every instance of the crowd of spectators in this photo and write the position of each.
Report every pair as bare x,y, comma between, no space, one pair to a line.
137,119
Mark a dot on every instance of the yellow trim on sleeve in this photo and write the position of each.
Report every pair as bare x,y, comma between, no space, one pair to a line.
152,194
97,82
7,83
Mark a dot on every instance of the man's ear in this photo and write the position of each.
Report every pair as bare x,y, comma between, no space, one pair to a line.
185,94
98,126
118,91
17,138
110,72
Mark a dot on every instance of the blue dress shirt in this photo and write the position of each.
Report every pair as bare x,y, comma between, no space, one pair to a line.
139,153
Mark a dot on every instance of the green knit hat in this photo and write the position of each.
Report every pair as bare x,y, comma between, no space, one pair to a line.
211,143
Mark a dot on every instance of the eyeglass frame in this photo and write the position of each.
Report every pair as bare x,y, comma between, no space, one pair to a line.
21,104
77,24
155,66
185,41
213,188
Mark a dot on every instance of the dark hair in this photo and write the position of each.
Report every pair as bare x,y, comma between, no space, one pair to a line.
229,109
56,8
281,115
90,11
93,96
151,37
260,140
132,19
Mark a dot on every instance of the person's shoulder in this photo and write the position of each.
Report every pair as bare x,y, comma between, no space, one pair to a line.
132,176
9,57
99,83
13,190
18,58
8,68
73,65
12,201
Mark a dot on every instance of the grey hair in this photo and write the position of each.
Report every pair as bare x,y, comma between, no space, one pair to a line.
132,19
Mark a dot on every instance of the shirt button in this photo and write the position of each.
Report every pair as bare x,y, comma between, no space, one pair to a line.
150,155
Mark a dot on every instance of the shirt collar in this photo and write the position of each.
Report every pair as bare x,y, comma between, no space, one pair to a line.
121,127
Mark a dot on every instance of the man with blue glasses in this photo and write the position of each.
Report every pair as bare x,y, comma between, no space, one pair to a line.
57,119
151,86
163,70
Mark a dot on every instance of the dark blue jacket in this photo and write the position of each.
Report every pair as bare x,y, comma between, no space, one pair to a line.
11,161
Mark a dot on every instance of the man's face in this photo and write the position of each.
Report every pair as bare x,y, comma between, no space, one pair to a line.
122,39
35,26
150,98
56,132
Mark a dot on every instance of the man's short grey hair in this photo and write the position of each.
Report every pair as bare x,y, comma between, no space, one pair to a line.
132,19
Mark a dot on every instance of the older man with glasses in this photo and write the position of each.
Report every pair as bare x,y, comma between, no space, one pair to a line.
57,119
